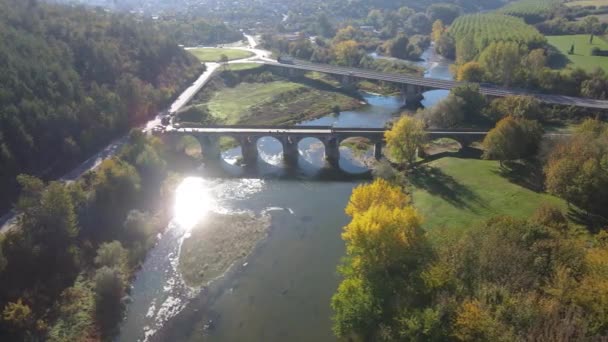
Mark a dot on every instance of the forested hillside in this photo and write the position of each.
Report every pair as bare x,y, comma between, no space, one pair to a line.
72,79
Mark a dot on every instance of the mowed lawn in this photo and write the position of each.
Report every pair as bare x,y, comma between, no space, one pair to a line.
214,55
582,50
231,103
457,194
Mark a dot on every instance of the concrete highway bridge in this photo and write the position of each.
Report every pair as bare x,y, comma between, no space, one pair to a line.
289,136
414,86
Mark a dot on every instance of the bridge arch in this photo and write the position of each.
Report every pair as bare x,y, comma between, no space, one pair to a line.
269,149
312,151
357,154
231,150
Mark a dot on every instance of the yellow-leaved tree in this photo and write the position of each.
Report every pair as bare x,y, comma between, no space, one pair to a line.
438,30
404,138
386,253
384,238
380,192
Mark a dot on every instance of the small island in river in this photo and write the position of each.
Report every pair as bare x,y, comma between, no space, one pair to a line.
217,242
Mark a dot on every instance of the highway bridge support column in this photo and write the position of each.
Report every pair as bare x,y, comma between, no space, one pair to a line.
332,151
209,147
290,151
412,95
347,81
249,149
378,150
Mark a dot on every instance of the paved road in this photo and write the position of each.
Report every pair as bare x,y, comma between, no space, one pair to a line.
432,83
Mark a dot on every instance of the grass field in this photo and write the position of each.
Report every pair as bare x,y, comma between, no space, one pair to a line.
214,55
230,103
243,66
584,3
277,102
458,193
582,50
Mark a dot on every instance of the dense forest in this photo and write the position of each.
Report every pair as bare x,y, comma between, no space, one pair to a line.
71,79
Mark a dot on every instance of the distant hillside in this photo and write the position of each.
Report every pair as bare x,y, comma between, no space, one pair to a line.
72,79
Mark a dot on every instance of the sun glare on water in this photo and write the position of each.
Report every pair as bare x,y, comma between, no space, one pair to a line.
192,202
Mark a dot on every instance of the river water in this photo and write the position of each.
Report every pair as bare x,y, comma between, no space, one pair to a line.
283,290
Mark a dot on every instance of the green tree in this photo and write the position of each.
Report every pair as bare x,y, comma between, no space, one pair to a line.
577,168
112,255
404,138
474,102
512,139
444,12
356,311
449,112
446,46
466,50
502,62
519,106
470,71
109,289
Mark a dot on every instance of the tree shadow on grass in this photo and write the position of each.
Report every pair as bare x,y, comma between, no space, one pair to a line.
557,60
437,183
594,223
525,174
464,153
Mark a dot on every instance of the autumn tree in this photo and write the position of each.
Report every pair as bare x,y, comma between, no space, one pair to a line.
404,138
438,30
347,53
470,71
379,192
17,314
386,250
577,168
512,139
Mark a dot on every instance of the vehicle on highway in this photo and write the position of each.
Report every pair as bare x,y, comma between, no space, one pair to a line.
285,60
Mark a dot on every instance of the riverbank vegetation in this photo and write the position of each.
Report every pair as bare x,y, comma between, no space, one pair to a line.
73,79
509,263
68,262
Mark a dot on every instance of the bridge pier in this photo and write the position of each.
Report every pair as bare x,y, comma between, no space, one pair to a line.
249,149
290,151
293,73
209,148
378,150
347,81
332,151
412,95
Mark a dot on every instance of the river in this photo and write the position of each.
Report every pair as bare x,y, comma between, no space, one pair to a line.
283,290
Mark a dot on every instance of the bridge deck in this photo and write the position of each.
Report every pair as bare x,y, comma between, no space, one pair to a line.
303,130
432,83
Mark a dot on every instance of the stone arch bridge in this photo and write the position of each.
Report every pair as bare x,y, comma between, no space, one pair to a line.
290,136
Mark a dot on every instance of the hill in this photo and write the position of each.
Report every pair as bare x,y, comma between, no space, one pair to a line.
72,79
